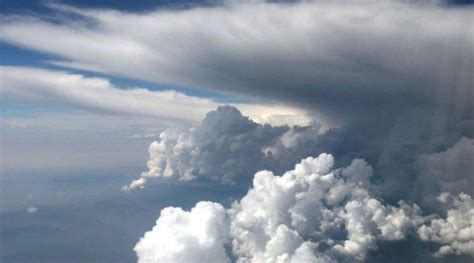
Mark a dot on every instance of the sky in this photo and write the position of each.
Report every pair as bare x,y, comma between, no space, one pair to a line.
237,131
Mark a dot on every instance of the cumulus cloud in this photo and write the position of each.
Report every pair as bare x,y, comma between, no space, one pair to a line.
313,213
180,236
455,233
226,147
332,211
100,95
31,210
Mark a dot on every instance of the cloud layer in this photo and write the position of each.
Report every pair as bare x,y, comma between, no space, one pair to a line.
345,57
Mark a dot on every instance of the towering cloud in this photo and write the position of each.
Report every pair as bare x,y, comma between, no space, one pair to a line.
455,233
319,212
396,76
226,147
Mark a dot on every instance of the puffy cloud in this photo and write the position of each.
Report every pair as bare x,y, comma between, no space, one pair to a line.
313,213
31,210
455,233
330,211
226,147
342,57
180,236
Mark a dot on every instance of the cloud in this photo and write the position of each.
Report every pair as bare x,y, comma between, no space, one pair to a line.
31,210
180,236
312,213
344,58
455,233
398,74
448,171
98,94
226,147
332,210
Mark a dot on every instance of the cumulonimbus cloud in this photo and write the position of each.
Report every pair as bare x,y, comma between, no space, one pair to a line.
339,56
226,147
316,212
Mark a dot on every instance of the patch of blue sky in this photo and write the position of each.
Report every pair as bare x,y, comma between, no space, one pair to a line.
15,6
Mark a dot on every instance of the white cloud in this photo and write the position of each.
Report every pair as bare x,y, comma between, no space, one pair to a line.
455,233
31,210
310,214
226,147
98,94
180,236
332,210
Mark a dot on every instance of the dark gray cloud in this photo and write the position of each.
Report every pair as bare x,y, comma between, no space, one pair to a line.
343,58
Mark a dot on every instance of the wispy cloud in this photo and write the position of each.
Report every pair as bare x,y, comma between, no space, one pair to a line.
99,95
315,53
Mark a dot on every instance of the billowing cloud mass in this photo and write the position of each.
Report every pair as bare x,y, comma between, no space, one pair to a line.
319,212
312,213
180,236
312,207
341,57
226,147
455,233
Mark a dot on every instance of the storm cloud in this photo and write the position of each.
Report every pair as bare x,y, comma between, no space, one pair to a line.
392,78
343,58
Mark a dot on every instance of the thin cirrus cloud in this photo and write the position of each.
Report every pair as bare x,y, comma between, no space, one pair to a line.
98,94
314,53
